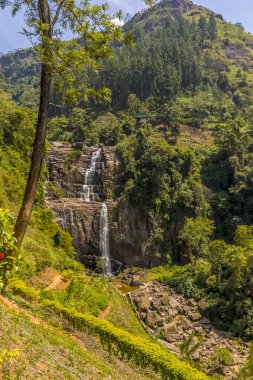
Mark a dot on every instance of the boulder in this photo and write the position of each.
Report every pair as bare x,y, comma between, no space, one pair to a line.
173,303
170,329
143,304
195,316
193,342
173,338
151,319
192,302
196,355
165,298
136,280
184,323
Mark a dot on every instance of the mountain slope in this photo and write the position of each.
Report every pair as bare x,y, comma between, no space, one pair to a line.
186,54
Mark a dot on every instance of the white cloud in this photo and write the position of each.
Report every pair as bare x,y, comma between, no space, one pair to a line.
118,22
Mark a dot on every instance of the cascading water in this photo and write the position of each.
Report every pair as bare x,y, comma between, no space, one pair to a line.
88,187
74,229
104,240
64,220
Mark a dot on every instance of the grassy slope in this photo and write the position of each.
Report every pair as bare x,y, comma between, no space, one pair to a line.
81,353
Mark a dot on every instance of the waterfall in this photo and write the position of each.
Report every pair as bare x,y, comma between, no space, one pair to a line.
88,187
64,219
104,240
74,229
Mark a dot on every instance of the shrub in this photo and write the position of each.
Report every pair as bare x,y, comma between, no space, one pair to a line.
222,357
7,247
20,288
7,356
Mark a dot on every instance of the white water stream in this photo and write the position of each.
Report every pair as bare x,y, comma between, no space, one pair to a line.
104,240
89,186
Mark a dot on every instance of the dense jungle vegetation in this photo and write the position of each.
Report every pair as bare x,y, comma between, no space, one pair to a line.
188,166
179,72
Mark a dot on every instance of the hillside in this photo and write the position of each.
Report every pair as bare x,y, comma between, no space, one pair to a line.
138,257
217,53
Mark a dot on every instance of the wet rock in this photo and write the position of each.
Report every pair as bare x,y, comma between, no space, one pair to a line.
132,240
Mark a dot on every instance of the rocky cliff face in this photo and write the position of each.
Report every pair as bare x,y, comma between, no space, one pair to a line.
130,232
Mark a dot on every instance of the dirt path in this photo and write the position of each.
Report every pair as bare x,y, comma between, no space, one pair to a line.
9,304
104,312
56,282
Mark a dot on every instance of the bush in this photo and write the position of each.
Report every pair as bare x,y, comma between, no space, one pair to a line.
7,248
20,288
7,356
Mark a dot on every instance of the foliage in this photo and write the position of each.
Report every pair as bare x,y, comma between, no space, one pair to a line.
16,136
89,295
195,236
190,345
161,179
19,287
222,357
197,199
246,372
7,356
8,263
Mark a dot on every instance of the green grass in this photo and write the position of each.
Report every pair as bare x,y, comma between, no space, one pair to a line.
82,354
142,352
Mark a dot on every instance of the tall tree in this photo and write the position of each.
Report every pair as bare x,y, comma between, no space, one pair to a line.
69,61
203,29
212,26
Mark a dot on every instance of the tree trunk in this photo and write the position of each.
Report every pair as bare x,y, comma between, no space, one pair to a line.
40,136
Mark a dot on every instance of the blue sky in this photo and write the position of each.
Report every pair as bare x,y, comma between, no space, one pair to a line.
232,10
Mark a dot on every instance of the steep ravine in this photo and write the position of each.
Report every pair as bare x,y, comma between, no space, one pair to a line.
130,236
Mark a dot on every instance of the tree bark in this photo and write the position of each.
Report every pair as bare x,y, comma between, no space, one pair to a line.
40,136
